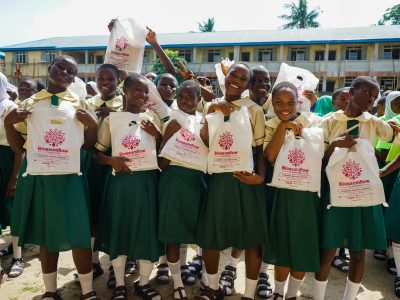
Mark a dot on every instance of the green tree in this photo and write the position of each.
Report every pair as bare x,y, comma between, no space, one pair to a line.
391,15
300,16
207,26
159,68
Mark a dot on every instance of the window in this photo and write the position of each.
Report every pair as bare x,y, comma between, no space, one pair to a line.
231,55
319,55
332,55
348,81
330,86
353,53
298,54
245,56
391,52
186,54
21,57
99,59
214,55
264,54
388,83
145,57
48,56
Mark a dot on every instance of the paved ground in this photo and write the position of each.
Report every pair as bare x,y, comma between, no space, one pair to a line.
377,284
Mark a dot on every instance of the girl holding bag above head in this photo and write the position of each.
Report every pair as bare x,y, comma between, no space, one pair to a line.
128,215
234,210
346,226
293,246
51,205
183,159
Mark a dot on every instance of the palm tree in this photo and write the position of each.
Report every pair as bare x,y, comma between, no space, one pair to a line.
300,16
207,26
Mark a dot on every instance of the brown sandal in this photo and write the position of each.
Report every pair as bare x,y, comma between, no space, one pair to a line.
120,292
180,291
277,296
52,295
90,296
210,294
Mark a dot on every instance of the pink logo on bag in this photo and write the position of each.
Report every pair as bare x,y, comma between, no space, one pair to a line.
296,157
54,137
131,141
121,43
187,135
351,169
225,140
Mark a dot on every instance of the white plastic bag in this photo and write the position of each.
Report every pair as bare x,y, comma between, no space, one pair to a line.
230,142
354,176
156,103
125,47
298,165
303,79
78,87
185,146
54,142
128,139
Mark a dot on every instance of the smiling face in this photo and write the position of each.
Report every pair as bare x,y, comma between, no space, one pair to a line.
341,101
284,103
237,80
363,97
26,88
260,84
166,86
187,99
137,93
395,105
62,72
107,83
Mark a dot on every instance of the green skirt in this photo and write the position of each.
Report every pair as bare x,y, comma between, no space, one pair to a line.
355,228
128,217
294,231
392,214
51,211
181,196
6,203
233,215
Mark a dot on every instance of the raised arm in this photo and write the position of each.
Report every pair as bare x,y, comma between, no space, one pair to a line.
151,38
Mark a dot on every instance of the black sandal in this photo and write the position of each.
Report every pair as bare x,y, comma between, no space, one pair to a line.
7,251
227,279
263,290
397,287
391,266
90,296
180,291
111,279
277,296
131,267
162,274
187,277
344,253
196,265
51,295
146,291
17,267
97,270
120,292
210,294
380,254
340,264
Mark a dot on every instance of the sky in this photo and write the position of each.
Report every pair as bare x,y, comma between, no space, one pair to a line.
28,20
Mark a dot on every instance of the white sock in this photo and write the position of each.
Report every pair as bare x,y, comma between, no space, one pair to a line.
390,252
50,282
204,278
396,255
293,287
351,290
183,254
233,261
250,288
199,251
213,281
17,250
319,289
175,269
264,268
162,259
279,287
337,251
145,268
86,281
119,270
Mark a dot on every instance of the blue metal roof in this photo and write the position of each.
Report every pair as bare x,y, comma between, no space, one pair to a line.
372,34
2,54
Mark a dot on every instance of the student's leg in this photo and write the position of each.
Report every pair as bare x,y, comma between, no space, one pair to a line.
188,277
295,281
162,270
253,258
173,258
228,276
321,277
211,262
356,273
142,286
396,256
83,262
280,277
49,261
17,263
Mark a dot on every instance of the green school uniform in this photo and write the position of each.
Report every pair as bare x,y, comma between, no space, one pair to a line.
392,213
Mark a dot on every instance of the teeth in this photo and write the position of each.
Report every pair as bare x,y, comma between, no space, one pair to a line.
234,86
262,90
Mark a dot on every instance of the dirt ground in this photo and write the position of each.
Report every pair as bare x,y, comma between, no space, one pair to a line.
377,283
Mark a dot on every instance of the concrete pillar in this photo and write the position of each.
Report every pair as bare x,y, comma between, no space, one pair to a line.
236,53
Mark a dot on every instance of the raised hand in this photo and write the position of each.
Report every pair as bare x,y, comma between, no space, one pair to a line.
186,74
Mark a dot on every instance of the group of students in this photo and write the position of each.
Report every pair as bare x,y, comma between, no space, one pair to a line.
125,207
